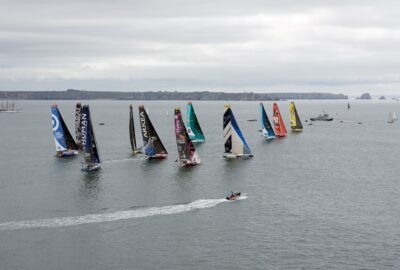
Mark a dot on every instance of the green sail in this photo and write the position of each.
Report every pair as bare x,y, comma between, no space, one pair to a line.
193,126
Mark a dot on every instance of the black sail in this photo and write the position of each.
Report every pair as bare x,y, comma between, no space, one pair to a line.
132,136
71,145
152,144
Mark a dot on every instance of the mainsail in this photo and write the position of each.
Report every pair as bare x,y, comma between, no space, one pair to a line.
78,134
235,144
187,153
91,153
267,130
132,136
392,117
295,122
65,144
194,129
152,145
280,129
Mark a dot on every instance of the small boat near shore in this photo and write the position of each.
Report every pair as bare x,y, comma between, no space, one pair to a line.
322,117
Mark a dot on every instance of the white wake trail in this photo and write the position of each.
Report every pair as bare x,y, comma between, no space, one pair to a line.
112,216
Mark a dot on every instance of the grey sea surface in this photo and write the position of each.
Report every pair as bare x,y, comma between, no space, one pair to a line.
325,198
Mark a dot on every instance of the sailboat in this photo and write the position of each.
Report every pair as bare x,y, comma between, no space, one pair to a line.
132,136
78,134
8,107
235,144
348,106
392,117
194,129
295,122
65,144
267,130
280,129
153,147
91,152
187,153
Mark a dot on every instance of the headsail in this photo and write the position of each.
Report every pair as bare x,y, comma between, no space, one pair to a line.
295,122
187,153
235,144
267,130
132,136
78,134
152,145
62,137
194,129
91,152
280,129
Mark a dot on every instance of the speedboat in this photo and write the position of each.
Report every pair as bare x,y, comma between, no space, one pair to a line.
233,196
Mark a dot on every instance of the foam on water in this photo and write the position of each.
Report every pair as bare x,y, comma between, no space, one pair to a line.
112,216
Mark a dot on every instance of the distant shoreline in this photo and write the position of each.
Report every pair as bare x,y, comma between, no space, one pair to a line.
163,95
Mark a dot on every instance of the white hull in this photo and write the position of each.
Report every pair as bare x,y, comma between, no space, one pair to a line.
233,156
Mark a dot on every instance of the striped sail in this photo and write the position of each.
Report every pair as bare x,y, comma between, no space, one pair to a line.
187,153
152,145
91,152
280,129
194,129
235,144
62,137
295,122
267,130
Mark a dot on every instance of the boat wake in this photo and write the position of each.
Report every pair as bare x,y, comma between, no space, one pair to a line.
112,216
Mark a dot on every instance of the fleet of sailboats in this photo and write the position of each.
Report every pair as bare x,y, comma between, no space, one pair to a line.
280,129
186,150
152,146
235,144
65,144
295,122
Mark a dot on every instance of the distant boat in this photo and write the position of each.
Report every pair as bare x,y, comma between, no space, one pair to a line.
348,106
280,129
267,130
392,117
153,147
102,124
132,135
8,107
322,117
194,129
235,144
295,122
90,150
187,153
251,120
78,134
65,144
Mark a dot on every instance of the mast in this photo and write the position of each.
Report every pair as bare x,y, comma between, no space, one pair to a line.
194,129
267,130
153,147
295,122
235,144
132,136
187,153
280,129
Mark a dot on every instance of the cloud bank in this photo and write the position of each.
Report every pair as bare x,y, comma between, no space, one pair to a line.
261,46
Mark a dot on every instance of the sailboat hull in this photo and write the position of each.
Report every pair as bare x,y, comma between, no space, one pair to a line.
297,129
157,156
233,156
68,153
90,167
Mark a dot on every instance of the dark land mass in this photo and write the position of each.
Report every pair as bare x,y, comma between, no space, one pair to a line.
72,94
365,96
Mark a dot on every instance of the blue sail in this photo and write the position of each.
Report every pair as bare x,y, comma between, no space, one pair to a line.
58,131
267,130
90,149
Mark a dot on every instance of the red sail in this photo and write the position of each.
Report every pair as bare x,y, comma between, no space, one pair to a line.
280,129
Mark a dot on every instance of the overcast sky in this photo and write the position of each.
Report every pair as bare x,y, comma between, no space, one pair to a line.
338,46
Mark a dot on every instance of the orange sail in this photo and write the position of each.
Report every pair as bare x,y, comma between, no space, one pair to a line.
280,129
